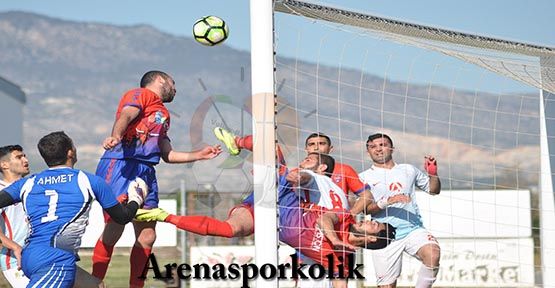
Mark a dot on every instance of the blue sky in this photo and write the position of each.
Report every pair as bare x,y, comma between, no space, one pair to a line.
521,20
526,21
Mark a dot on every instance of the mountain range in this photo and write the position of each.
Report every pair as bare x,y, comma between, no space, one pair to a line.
75,72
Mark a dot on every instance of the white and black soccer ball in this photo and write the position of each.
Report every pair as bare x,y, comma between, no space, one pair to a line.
210,30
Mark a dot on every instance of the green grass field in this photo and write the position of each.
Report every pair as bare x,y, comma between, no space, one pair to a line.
118,272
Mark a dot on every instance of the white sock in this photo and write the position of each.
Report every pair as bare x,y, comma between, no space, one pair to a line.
426,277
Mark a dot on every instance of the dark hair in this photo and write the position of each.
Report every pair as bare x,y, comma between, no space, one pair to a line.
317,134
385,237
150,76
53,148
325,159
377,136
6,150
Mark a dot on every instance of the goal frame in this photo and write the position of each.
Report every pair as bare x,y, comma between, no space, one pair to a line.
264,124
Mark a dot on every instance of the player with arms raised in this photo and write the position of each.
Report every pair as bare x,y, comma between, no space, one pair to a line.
138,140
390,181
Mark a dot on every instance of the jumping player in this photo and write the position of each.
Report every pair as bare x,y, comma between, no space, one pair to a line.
313,230
138,140
343,175
319,233
240,221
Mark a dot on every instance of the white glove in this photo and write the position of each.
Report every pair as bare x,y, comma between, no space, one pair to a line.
397,198
382,203
137,191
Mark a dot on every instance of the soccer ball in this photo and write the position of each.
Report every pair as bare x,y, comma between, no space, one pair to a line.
210,30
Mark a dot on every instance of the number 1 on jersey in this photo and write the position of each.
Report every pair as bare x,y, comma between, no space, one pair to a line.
52,205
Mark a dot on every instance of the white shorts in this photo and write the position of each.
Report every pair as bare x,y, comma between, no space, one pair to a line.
16,278
388,261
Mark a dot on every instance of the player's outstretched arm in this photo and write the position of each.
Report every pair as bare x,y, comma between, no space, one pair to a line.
171,156
123,214
381,204
326,222
430,166
127,115
365,198
298,178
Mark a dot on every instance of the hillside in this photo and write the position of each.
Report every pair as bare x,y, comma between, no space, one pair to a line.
74,73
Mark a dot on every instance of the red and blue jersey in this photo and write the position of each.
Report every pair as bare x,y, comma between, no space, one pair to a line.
299,229
347,179
141,138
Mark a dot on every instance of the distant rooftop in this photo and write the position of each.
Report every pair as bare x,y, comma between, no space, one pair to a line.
12,90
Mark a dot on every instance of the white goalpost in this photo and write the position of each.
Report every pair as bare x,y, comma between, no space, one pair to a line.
349,74
263,123
547,188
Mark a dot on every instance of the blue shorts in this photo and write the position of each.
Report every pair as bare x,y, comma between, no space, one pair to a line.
48,266
118,173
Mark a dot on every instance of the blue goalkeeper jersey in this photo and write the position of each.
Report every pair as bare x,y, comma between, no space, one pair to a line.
57,202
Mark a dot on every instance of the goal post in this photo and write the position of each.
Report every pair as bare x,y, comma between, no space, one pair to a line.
527,63
547,188
263,120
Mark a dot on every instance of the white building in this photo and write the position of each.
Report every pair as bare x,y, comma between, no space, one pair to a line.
12,99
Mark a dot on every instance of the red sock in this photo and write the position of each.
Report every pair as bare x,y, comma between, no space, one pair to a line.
244,142
138,259
102,255
202,225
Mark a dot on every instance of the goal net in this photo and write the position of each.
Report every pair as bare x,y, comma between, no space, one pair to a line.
483,107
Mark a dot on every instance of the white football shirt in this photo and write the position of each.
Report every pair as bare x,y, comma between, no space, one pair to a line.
401,179
14,224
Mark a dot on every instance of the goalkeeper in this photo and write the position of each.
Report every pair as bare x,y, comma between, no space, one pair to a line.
57,203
